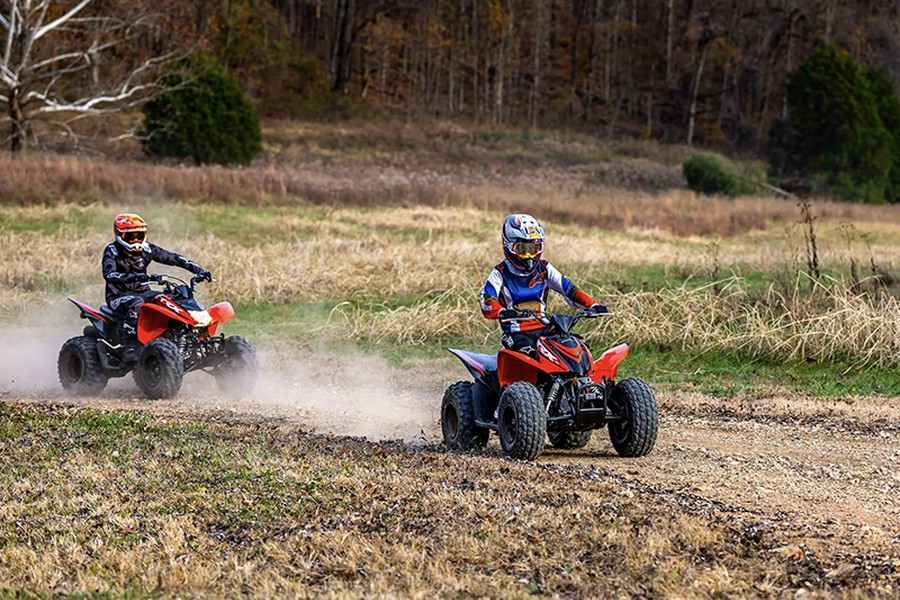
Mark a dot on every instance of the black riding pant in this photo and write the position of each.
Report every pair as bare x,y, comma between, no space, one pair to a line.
129,305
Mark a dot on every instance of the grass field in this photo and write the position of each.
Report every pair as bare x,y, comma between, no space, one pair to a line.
403,281
377,241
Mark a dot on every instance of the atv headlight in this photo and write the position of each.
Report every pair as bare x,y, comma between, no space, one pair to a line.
202,317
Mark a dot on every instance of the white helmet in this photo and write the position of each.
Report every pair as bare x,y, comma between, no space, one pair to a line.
523,241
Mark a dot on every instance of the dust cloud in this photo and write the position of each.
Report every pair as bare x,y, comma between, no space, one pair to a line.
349,393
28,360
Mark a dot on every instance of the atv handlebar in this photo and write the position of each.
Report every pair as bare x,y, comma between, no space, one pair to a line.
527,313
170,281
546,319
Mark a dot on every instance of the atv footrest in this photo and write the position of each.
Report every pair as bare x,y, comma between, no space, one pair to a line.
486,424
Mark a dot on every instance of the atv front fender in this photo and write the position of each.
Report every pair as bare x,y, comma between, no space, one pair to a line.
608,364
153,320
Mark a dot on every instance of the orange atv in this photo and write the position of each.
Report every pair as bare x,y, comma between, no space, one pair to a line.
561,392
175,335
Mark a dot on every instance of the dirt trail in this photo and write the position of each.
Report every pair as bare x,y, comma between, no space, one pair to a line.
824,479
817,486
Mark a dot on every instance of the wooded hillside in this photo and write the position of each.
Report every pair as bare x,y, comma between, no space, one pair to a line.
710,72
707,71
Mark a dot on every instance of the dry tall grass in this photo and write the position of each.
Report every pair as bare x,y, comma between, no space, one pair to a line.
411,276
570,194
831,324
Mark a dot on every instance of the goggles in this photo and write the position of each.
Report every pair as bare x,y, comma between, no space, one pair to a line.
134,237
528,249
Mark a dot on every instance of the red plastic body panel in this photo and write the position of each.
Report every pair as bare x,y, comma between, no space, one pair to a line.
220,313
154,318
514,366
553,356
608,363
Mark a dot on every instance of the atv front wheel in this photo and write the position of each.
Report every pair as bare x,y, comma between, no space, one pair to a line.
570,440
79,368
236,374
159,370
522,421
458,419
635,433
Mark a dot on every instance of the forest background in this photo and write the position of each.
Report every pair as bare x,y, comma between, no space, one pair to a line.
707,72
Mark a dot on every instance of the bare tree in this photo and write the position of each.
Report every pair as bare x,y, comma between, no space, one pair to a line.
72,58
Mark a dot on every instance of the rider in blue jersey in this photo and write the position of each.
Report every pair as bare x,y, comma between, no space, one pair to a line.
522,281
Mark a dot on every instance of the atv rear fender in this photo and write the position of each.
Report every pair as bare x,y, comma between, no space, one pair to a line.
90,313
608,364
477,367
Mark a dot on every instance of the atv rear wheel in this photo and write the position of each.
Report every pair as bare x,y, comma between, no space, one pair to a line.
236,374
570,440
79,368
522,421
458,419
159,370
635,434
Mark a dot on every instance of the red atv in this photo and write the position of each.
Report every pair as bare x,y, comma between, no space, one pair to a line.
175,335
561,393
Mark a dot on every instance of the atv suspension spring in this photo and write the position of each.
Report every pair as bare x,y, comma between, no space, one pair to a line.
552,394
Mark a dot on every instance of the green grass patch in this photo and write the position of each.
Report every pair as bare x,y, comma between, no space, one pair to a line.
251,226
65,220
292,320
728,375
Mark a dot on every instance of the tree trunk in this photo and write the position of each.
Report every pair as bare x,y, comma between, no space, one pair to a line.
590,91
670,40
343,38
695,92
533,103
17,124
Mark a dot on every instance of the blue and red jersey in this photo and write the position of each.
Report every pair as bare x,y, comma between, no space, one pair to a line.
506,287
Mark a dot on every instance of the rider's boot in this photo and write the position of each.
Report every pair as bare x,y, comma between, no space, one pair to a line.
130,343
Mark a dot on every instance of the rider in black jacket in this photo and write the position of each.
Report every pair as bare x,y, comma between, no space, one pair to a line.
125,263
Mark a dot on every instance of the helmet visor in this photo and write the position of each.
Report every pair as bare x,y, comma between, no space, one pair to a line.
134,237
528,249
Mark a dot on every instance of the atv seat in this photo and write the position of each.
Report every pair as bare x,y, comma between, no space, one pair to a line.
488,360
478,364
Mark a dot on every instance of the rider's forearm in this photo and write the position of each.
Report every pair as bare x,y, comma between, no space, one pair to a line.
580,298
490,308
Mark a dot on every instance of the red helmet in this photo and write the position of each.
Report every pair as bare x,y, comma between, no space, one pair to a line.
130,231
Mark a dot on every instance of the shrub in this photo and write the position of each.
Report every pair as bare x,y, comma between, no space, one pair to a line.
713,174
708,174
204,115
888,105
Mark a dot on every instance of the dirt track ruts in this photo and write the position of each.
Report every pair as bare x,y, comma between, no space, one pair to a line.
818,488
